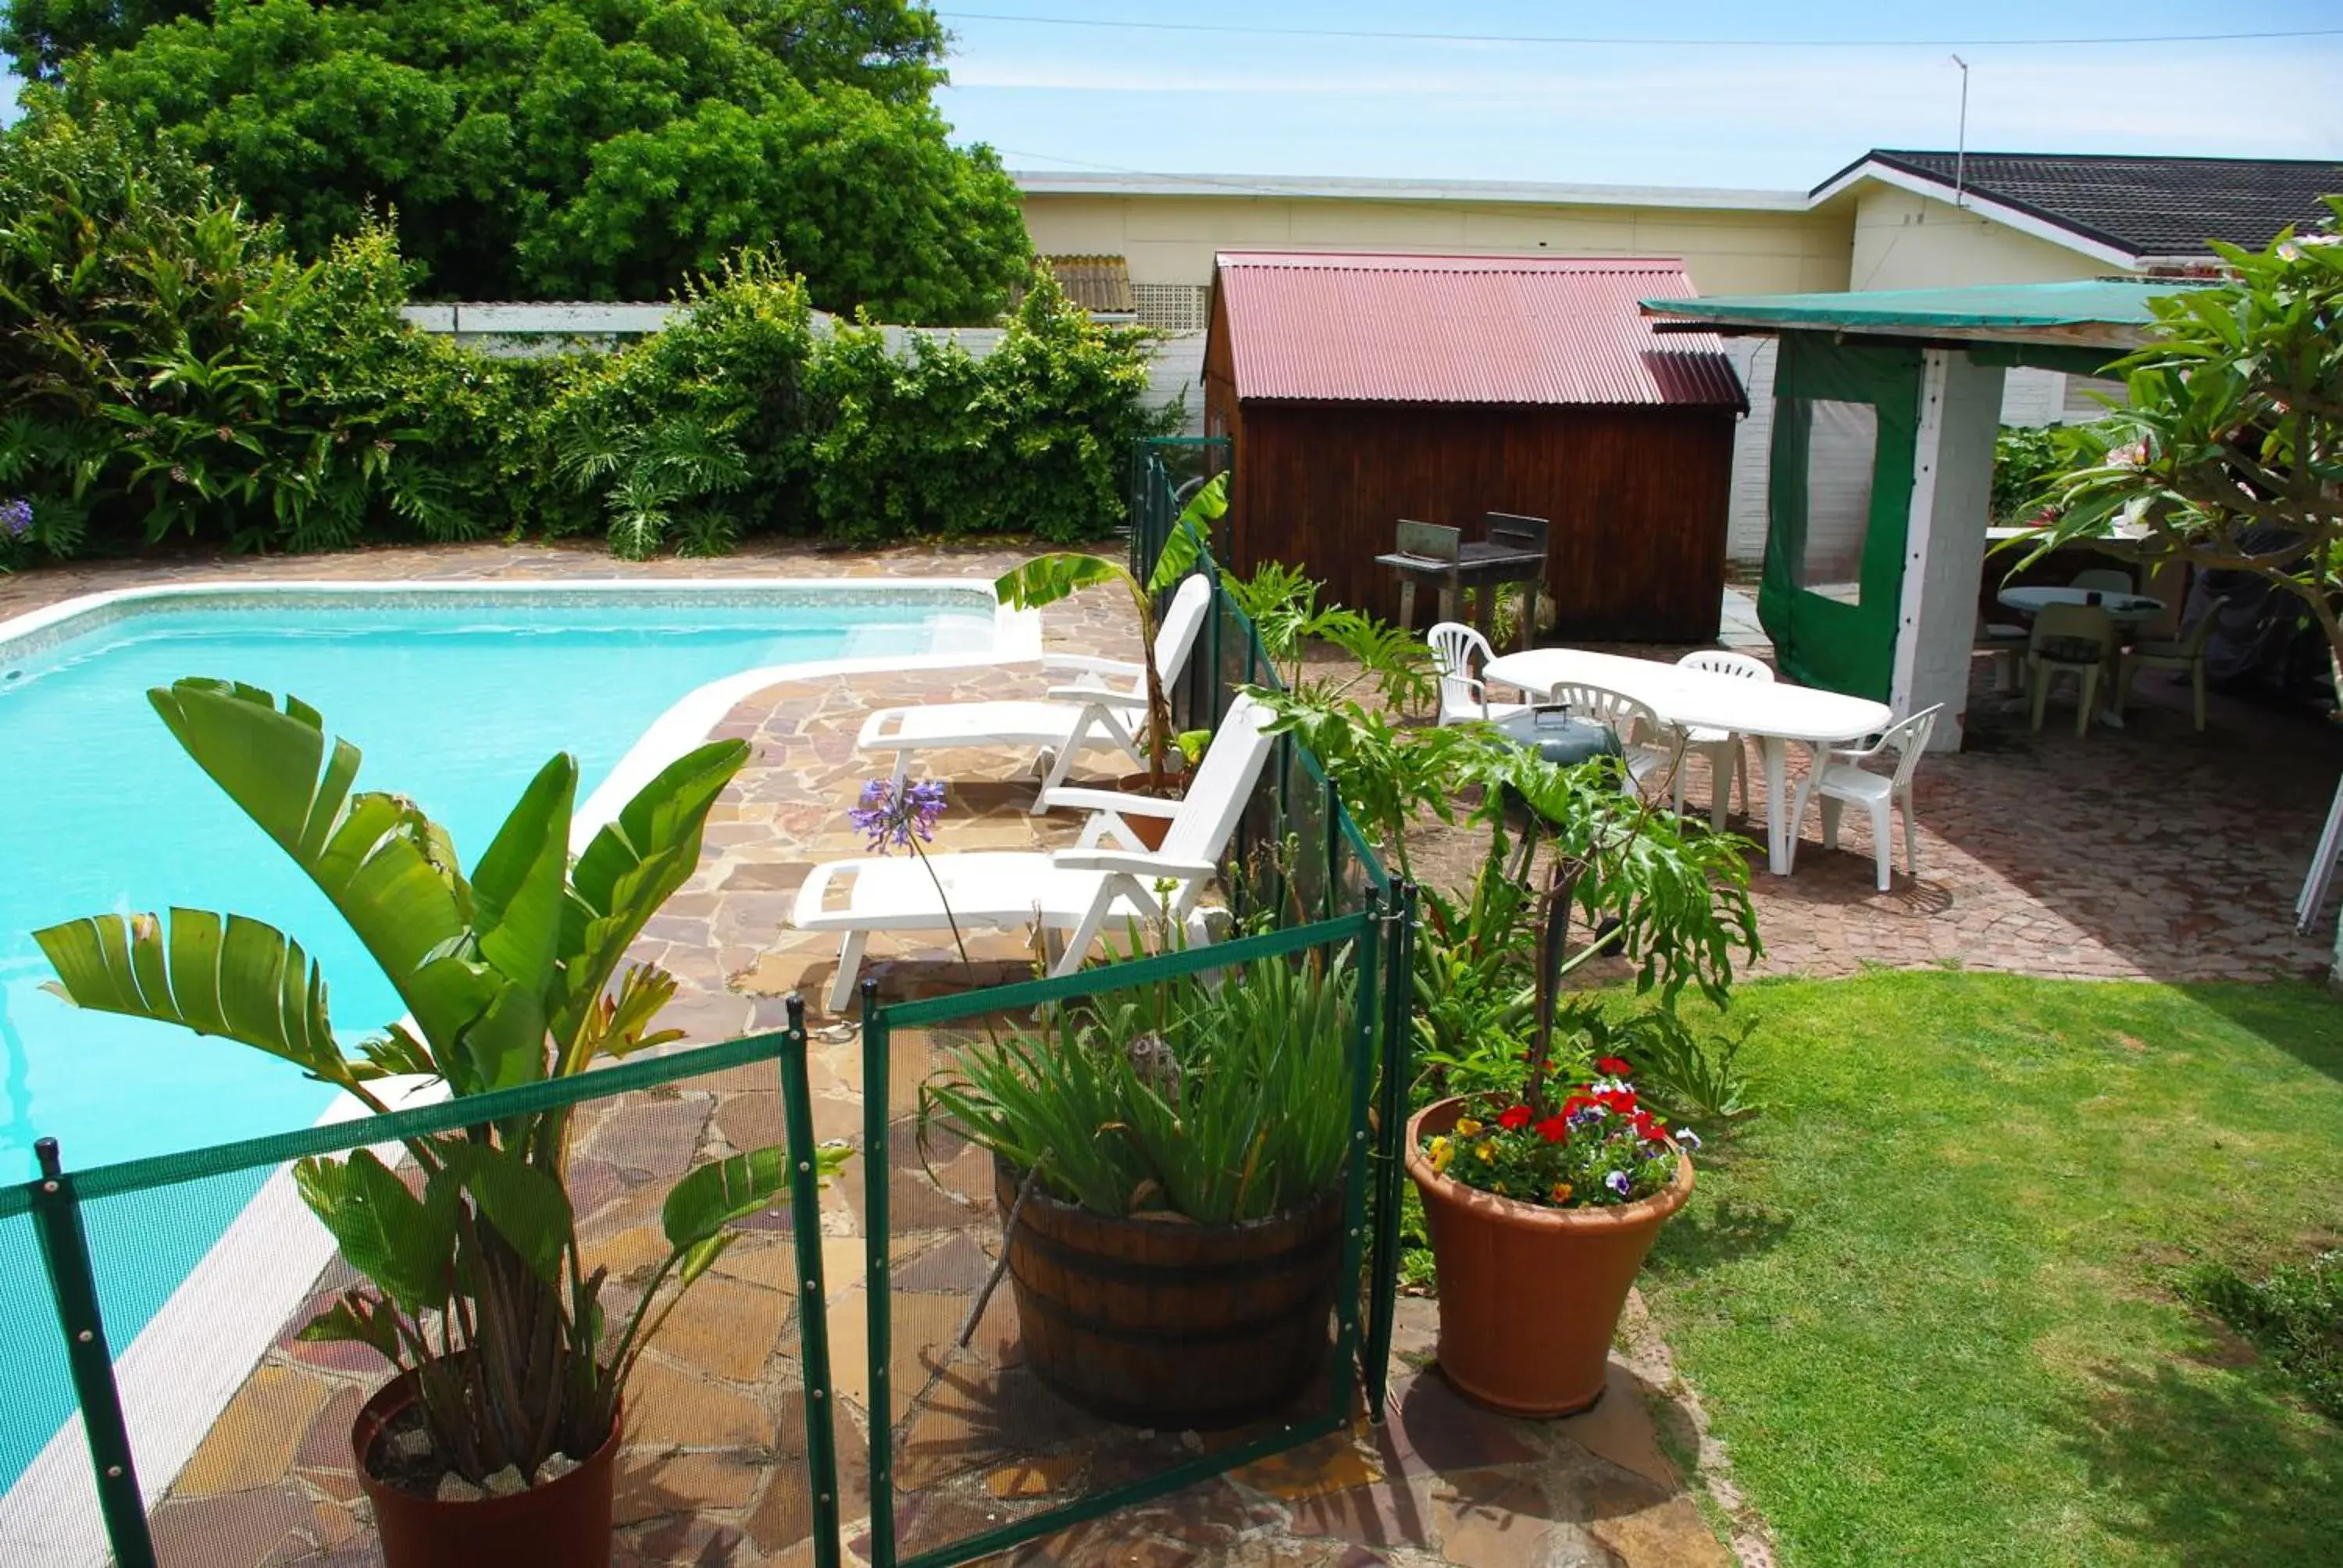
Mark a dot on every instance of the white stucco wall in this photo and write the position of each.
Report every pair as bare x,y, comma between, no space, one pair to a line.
1903,240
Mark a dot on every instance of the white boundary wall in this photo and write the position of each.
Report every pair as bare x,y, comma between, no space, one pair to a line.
1175,370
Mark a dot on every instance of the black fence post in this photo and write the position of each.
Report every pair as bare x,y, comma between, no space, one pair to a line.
1390,1173
813,1302
877,1163
64,1249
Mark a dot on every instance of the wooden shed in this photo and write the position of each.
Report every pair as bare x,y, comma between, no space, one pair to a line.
1359,389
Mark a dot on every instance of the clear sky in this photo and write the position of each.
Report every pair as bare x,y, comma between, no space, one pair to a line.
1771,107
1776,107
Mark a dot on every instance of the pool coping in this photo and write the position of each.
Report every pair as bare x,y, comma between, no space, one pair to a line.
180,1371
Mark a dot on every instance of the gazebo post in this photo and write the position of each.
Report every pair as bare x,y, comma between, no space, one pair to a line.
1944,540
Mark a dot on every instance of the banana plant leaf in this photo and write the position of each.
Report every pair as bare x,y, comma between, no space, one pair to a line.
375,857
405,1244
241,980
628,870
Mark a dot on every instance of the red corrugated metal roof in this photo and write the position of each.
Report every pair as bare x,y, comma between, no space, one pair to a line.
1378,329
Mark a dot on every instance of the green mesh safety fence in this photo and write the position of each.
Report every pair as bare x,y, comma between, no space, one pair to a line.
238,1430
48,1491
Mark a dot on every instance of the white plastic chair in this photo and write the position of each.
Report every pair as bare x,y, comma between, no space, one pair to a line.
2077,640
1457,651
2104,579
1649,746
1840,777
1087,714
2186,654
1073,895
1722,748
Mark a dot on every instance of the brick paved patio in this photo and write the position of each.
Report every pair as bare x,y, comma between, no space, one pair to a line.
2150,853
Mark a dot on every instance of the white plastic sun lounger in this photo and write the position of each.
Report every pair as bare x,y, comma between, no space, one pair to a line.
1088,715
1073,894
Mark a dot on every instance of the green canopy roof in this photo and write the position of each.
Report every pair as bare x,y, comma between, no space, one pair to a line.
2111,313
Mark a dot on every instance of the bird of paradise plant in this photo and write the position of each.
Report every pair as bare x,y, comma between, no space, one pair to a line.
511,974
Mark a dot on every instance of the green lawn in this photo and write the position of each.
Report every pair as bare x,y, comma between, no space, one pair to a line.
1925,1296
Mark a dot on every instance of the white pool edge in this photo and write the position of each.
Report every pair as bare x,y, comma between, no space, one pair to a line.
205,1342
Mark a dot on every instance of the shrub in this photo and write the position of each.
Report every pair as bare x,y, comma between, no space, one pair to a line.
170,370
173,373
1032,438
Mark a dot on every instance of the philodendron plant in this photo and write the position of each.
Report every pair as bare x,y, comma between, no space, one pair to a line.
510,975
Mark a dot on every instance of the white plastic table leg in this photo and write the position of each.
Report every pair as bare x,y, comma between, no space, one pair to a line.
1778,831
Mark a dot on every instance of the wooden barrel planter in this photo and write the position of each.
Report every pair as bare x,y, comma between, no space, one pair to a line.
1166,1324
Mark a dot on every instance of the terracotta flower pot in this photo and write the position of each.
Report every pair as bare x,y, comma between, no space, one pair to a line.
1530,1296
1149,831
565,1523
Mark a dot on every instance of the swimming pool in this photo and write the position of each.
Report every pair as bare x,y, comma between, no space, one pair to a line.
455,696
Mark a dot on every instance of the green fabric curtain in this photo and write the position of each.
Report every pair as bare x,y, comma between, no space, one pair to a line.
1834,574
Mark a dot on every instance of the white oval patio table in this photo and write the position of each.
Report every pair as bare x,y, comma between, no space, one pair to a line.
2121,606
1772,713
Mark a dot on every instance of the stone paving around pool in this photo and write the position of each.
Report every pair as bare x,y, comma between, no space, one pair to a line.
2148,852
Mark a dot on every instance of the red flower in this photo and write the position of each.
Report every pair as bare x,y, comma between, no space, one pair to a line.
1515,1119
1613,1066
1576,1103
1553,1129
1622,1101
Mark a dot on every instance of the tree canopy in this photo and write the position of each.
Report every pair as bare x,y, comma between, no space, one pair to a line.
570,148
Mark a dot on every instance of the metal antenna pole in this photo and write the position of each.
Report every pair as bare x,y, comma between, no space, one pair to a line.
1961,146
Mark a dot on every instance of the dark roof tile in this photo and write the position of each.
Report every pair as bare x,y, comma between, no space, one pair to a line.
2146,205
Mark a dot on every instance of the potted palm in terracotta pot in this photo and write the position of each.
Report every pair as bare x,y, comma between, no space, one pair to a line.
1169,1164
1543,1197
494,1442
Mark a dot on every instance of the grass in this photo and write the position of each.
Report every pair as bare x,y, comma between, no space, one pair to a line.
1927,1297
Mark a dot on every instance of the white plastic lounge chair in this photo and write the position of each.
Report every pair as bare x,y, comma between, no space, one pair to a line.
1073,894
1086,715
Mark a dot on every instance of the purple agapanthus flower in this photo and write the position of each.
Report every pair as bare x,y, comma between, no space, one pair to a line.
891,822
16,517
1617,1181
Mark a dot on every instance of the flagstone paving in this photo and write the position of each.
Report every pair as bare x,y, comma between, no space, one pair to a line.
2150,852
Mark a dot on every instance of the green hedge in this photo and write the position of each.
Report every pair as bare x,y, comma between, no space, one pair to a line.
172,372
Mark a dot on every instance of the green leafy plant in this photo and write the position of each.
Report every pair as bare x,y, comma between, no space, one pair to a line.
2295,1316
2228,452
511,974
1046,579
1219,1101
566,151
174,372
1694,1080
2025,457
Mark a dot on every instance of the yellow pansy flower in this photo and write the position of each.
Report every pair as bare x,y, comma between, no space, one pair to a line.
1466,1126
1442,1152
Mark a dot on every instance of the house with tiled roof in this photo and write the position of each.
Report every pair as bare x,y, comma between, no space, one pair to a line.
1891,219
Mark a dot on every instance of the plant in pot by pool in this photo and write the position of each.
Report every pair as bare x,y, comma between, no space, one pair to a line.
509,1371
1170,1165
1046,579
1541,1205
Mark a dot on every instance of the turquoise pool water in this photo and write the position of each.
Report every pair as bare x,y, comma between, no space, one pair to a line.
455,705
